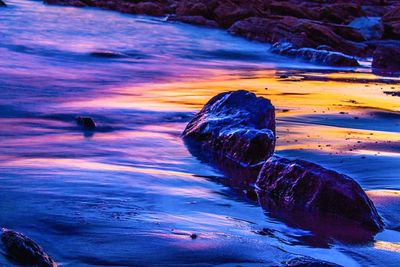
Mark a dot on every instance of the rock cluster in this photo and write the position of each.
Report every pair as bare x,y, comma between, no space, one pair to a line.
24,251
344,26
241,128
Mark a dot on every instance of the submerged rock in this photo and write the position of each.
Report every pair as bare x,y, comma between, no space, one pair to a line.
316,56
238,126
386,59
24,251
308,262
86,122
298,185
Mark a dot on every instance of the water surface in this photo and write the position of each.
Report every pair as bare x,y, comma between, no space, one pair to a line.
130,194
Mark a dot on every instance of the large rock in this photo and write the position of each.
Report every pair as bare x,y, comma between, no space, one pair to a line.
370,27
2,3
297,185
391,20
25,251
299,32
386,59
238,126
316,56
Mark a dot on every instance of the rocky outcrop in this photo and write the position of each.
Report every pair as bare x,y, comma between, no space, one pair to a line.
297,185
386,59
370,27
24,251
238,126
195,20
299,32
2,4
316,56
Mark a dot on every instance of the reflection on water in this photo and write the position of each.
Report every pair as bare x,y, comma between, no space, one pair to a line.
131,193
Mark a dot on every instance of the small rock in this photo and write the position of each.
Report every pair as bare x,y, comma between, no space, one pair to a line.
86,122
193,236
24,250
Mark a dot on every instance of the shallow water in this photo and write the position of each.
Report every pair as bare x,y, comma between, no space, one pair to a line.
131,194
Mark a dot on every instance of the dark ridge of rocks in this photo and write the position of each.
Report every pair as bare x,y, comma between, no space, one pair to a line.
299,32
308,262
238,126
386,60
108,54
316,56
305,24
86,123
24,251
297,185
2,4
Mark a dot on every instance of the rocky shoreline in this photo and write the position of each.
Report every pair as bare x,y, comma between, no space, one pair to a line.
351,29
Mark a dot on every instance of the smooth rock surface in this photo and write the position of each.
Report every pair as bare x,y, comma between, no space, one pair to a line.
370,27
297,185
386,59
238,125
24,251
316,56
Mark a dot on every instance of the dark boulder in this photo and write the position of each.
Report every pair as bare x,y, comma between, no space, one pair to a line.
299,32
308,262
2,3
24,251
386,59
238,126
87,123
391,21
297,185
316,56
76,3
150,8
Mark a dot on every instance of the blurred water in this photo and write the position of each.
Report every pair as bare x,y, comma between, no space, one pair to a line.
131,194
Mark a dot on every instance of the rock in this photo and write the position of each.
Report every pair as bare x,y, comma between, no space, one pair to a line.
297,185
237,125
76,3
193,8
386,59
108,54
25,251
341,13
87,123
2,3
308,262
370,27
227,13
299,32
149,8
316,56
196,20
391,21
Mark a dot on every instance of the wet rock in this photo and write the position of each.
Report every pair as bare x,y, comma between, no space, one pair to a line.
386,59
108,54
2,3
370,27
299,32
341,13
24,251
308,262
87,123
196,20
227,12
297,185
238,126
316,56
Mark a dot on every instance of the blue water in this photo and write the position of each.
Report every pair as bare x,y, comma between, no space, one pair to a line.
131,194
